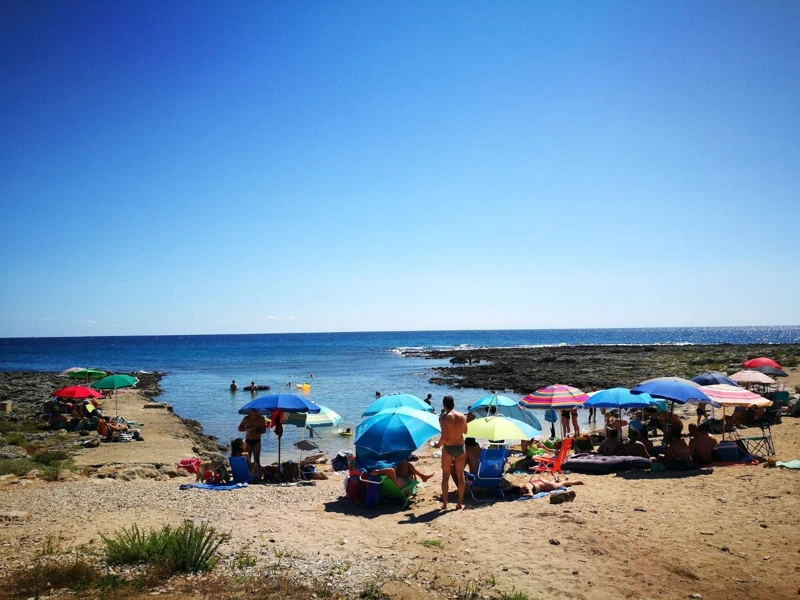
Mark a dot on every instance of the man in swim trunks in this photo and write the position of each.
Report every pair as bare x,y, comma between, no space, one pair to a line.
254,425
702,445
454,428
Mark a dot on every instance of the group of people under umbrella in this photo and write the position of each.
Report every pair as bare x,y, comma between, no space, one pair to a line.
396,425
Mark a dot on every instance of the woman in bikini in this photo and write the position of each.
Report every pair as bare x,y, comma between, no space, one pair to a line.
538,485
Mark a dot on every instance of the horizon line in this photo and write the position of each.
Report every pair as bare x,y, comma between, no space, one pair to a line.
395,331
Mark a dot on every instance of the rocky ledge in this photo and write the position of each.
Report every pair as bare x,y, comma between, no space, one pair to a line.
523,370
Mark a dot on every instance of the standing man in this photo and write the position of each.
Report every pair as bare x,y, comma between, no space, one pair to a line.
454,428
253,425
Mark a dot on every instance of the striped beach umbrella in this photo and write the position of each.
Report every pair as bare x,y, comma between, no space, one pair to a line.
556,397
752,377
733,395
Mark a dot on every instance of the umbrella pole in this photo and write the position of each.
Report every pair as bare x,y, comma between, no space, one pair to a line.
723,422
116,402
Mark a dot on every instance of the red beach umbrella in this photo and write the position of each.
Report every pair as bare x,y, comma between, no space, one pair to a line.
761,362
76,392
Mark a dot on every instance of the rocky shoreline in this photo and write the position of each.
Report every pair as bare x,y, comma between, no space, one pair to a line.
523,370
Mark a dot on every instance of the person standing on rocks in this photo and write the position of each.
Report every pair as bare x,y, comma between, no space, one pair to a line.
454,429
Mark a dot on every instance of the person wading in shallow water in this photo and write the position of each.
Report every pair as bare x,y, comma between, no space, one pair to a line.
454,428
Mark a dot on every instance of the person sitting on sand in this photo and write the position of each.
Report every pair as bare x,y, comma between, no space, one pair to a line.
645,439
634,446
611,446
677,456
402,473
702,445
538,485
239,448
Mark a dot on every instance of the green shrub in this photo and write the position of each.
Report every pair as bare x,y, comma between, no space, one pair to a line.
17,466
189,548
51,457
15,439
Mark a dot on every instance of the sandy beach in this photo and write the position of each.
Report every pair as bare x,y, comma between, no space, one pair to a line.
725,533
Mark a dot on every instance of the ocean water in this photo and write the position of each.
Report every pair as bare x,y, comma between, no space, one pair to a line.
348,368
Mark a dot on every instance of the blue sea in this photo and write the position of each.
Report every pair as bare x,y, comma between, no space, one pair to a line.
348,368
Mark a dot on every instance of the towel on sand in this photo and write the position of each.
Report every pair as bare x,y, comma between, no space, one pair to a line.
542,494
213,486
789,464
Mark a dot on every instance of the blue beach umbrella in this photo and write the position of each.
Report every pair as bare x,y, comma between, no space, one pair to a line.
713,378
396,430
674,389
393,401
618,398
288,403
494,400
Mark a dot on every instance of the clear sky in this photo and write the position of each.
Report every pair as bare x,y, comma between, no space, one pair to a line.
202,167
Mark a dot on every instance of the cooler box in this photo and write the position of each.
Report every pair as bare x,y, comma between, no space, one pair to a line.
728,451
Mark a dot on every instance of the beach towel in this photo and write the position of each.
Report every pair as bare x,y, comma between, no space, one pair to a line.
192,465
790,464
222,487
746,461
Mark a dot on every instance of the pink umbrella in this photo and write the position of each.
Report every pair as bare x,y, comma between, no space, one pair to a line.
752,377
731,395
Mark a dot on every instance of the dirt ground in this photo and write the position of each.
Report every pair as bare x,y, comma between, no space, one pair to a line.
730,532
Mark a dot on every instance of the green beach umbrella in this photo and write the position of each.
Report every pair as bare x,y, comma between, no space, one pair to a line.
85,374
115,382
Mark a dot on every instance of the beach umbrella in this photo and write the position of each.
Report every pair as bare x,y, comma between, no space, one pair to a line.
618,398
713,378
752,377
392,401
85,374
771,371
498,427
674,389
507,407
556,397
760,362
77,392
326,417
396,430
115,382
288,403
733,395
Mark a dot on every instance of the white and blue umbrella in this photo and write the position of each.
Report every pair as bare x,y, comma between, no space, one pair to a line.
393,401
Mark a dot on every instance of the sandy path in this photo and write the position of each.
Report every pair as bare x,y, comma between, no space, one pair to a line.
166,438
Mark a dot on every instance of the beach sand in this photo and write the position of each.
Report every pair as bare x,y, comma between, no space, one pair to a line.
728,533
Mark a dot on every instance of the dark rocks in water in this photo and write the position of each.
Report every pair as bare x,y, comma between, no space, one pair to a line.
524,370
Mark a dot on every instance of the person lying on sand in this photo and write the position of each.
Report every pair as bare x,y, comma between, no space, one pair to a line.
702,445
536,486
402,473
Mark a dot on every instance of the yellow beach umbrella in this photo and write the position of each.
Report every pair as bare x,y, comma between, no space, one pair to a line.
498,427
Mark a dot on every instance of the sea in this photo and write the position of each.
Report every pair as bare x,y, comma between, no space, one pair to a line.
347,368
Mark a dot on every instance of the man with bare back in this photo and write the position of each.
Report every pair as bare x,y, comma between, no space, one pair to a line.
454,428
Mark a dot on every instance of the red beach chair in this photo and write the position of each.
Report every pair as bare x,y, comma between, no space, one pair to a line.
552,465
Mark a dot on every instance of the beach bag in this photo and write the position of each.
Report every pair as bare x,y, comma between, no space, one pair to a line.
339,462
373,493
354,489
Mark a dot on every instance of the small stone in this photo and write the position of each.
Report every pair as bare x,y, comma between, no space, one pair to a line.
505,568
698,596
725,549
574,572
640,509
766,558
554,542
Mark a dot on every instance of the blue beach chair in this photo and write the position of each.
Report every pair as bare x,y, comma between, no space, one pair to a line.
491,465
239,470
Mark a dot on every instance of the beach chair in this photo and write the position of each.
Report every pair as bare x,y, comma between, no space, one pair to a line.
755,445
781,399
552,465
491,464
239,471
387,490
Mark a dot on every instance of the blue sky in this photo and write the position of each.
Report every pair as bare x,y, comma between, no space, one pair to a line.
177,168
